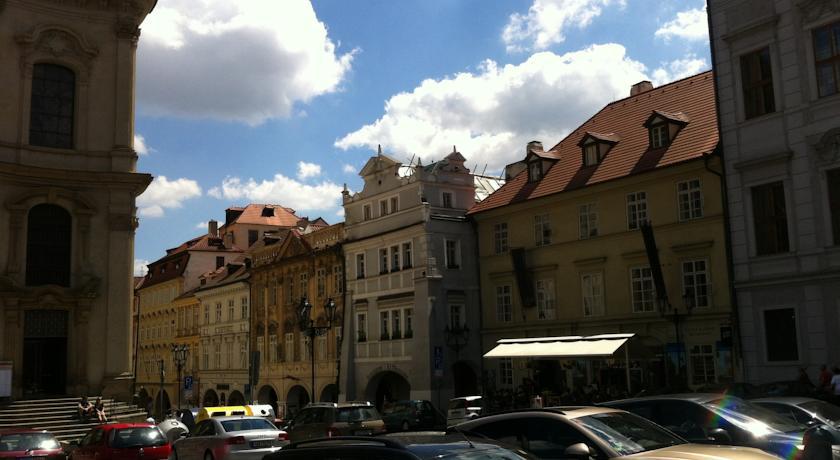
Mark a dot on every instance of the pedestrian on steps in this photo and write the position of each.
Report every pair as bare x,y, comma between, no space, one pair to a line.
85,409
99,407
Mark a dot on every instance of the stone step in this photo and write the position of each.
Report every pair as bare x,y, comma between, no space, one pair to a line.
68,418
34,402
45,409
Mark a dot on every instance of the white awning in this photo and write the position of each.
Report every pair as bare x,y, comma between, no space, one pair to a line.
559,347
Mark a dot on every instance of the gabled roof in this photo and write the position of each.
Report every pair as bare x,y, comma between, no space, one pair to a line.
265,214
377,163
611,138
691,99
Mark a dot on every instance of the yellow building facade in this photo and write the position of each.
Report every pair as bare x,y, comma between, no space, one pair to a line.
562,253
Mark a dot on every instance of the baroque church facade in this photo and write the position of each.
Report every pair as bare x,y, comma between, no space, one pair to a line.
68,185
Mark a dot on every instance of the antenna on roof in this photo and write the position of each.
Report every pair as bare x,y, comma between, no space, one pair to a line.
454,149
379,149
484,170
411,161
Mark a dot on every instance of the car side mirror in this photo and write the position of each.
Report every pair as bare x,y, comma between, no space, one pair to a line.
721,436
579,451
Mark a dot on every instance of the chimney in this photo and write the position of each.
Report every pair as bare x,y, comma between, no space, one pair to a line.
533,146
213,228
641,87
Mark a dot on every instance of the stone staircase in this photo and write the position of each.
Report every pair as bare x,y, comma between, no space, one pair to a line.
59,416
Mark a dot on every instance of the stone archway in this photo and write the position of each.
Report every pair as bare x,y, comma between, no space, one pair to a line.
162,404
143,400
387,386
465,379
329,393
296,400
211,399
267,395
236,398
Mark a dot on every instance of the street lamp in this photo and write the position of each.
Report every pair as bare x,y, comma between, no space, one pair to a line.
179,356
689,302
309,329
162,370
456,337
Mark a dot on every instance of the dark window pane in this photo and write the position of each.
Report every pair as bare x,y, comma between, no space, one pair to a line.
770,218
48,246
833,177
827,57
757,82
52,106
780,335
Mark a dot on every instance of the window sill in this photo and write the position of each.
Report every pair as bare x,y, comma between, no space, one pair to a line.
772,257
758,119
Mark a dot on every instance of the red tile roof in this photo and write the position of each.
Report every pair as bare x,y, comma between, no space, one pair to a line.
691,99
253,214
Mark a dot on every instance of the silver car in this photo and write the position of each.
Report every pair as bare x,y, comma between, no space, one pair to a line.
239,437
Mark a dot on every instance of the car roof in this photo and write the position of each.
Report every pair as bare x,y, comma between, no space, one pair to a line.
237,417
120,426
424,445
791,400
700,398
466,398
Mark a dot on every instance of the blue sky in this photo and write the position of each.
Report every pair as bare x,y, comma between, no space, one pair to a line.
266,101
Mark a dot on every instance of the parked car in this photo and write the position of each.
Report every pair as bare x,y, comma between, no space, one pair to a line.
462,409
321,420
26,443
122,441
741,390
402,446
789,388
412,415
598,433
240,437
808,411
720,419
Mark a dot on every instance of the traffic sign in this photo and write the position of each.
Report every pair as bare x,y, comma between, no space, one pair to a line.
188,382
438,361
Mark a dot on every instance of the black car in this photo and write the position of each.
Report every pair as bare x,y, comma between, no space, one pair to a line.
720,419
429,446
412,415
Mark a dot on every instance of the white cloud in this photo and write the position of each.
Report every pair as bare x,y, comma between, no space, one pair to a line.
679,68
349,169
689,25
201,226
140,145
547,20
140,267
490,115
281,189
165,194
307,170
340,212
245,61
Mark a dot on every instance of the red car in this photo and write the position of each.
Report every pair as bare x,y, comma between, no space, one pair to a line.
123,441
30,444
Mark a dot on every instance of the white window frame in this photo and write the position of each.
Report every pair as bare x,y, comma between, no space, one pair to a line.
588,220
361,325
290,347
590,154
384,261
534,171
636,209
689,280
592,301
443,200
383,207
338,279
273,356
703,353
455,263
395,257
500,238
659,135
321,282
686,200
546,304
394,203
367,212
642,289
406,255
542,229
360,265
261,348
506,372
218,312
231,309
456,315
304,348
504,303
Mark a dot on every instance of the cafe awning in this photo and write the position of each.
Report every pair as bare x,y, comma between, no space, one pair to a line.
593,346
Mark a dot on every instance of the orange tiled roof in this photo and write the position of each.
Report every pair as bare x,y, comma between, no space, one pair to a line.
253,214
691,99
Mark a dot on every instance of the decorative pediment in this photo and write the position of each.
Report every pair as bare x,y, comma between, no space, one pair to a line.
813,10
58,43
378,164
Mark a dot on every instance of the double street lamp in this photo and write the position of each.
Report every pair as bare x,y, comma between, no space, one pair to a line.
309,329
179,356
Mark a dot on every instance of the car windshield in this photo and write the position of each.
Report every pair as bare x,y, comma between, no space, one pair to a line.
27,441
627,433
356,414
137,437
247,424
752,418
829,412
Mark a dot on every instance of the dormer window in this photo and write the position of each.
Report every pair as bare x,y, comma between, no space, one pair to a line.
663,127
658,136
595,147
590,154
534,171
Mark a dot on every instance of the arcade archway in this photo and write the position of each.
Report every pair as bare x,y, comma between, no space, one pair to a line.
387,386
329,393
236,398
297,398
211,399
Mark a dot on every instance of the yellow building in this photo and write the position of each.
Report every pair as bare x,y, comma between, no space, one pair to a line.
561,251
187,335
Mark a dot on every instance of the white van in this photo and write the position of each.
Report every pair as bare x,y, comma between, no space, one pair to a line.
463,409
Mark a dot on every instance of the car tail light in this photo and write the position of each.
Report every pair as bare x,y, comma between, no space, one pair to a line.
332,431
235,440
283,436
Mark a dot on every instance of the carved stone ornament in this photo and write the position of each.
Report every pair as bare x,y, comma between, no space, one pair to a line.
56,42
828,148
812,10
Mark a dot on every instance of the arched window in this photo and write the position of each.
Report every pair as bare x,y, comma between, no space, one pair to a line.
48,245
51,112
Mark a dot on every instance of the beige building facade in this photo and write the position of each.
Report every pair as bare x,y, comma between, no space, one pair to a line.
68,185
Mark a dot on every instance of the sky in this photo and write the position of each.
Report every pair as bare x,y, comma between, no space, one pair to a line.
283,102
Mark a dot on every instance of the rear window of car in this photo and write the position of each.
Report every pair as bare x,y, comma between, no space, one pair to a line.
137,437
26,441
356,414
247,425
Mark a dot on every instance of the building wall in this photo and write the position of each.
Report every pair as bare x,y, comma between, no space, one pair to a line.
612,254
187,327
796,145
158,332
95,181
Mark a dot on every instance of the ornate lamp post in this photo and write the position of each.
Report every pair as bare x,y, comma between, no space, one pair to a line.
673,313
309,329
456,336
179,356
162,369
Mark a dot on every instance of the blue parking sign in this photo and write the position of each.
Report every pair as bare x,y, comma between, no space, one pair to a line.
188,381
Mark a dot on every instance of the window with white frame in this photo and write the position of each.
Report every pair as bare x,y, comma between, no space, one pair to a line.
659,135
261,348
409,328
217,353
321,347
545,299
447,200
218,312
231,309
304,348
367,212
273,356
229,355
383,260
244,304
642,291
636,210
205,357
290,285
504,308
361,327
592,287
456,316
360,266
588,217
542,230
395,323
395,204
243,355
500,237
696,285
690,199
383,208
702,364
406,255
304,284
452,253
338,279
321,281
384,325
505,371
395,258
590,154
290,347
